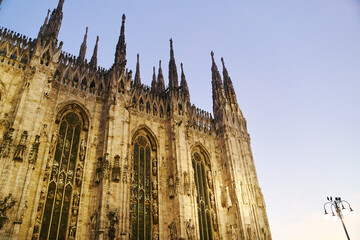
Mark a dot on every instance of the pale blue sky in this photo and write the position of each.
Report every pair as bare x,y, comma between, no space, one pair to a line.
295,67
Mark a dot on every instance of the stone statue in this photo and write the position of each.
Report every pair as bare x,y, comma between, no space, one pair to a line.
155,235
76,199
113,221
154,167
187,187
6,143
233,232
212,199
34,150
209,179
154,189
6,204
79,173
72,228
226,198
171,186
214,221
82,150
21,147
172,231
98,170
155,212
190,230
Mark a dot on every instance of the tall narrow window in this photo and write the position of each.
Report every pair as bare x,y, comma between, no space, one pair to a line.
205,197
64,186
144,197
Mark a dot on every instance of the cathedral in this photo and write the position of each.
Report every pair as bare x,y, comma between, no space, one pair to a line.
92,153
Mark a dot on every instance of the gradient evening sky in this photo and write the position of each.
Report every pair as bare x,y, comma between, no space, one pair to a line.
296,71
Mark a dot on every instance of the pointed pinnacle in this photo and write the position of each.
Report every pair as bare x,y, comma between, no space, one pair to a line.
171,49
47,17
212,57
93,61
60,4
137,80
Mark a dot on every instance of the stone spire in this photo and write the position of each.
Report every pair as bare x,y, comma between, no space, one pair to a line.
83,47
53,26
137,80
173,77
183,83
218,94
93,61
43,27
120,54
228,86
153,82
161,82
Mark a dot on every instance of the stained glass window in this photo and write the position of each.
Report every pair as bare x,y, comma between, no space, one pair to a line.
204,187
61,185
142,201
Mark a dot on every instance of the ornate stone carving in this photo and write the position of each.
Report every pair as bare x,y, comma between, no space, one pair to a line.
7,203
6,143
190,230
177,183
21,147
172,231
113,221
116,169
34,150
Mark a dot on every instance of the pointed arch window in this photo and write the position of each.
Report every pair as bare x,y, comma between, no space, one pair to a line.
63,193
205,197
144,187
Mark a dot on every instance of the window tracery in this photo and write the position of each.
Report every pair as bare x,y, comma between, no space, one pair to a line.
205,198
61,205
144,189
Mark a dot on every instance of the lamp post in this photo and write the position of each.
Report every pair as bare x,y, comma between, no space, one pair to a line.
338,210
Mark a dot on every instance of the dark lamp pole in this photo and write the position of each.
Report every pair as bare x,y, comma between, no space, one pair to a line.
338,210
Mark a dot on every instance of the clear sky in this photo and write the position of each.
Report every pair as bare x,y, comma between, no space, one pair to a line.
296,71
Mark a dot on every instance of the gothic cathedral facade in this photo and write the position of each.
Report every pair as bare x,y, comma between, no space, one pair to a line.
92,153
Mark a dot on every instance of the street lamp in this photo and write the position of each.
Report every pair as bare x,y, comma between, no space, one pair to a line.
338,210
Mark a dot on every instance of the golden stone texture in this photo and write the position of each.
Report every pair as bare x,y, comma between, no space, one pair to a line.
86,144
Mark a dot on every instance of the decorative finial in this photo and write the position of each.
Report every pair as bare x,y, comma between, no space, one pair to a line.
153,70
212,57
159,64
123,18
